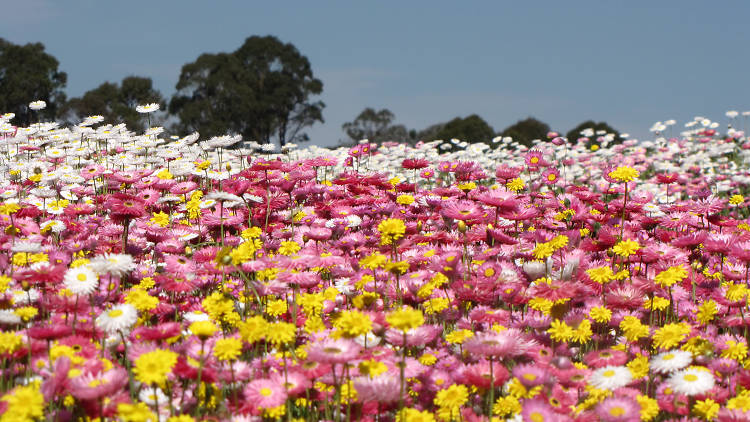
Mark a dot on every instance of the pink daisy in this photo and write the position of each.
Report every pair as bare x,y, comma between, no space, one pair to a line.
602,358
534,159
511,342
619,409
333,351
295,382
538,411
531,375
479,374
462,210
265,393
551,176
124,206
90,386
178,264
183,188
383,388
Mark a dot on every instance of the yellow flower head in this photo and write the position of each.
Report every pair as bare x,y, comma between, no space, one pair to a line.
23,404
153,367
624,174
227,349
405,319
516,184
452,397
289,247
601,275
405,199
353,323
203,329
626,248
391,229
600,314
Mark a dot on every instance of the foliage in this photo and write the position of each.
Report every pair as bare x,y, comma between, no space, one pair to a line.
116,103
377,126
469,129
525,131
28,73
599,129
431,132
261,91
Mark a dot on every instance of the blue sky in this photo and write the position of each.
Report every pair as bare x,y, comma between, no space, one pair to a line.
628,63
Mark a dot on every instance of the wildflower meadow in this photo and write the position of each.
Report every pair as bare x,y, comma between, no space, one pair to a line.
153,278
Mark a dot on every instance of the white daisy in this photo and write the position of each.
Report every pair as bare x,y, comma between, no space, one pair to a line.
7,316
92,120
692,381
369,339
119,318
195,316
671,361
207,203
268,147
353,221
55,226
147,108
227,199
22,297
37,105
152,396
81,280
253,198
153,131
115,264
26,246
611,377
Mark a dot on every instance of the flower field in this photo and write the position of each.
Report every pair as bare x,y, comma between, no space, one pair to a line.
179,279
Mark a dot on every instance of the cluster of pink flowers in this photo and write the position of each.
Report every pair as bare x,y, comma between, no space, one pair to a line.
376,283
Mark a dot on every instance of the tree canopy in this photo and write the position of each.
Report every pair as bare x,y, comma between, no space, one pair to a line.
598,129
470,129
376,126
116,103
526,130
28,73
261,91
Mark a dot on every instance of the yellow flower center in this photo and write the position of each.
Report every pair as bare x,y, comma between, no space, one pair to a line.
617,411
536,417
266,392
609,373
690,378
81,277
114,313
96,383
